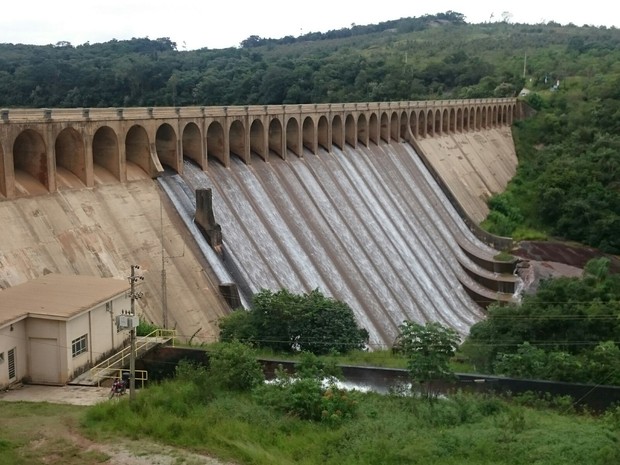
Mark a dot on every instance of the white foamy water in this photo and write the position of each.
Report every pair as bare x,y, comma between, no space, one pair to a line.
367,226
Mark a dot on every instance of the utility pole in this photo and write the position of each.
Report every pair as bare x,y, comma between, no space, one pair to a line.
164,296
132,335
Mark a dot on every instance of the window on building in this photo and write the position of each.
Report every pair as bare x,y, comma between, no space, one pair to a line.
1,357
79,345
12,364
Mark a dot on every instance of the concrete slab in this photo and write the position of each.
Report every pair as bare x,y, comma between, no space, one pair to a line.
74,395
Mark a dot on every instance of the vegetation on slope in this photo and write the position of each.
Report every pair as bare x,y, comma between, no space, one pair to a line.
568,331
307,422
437,56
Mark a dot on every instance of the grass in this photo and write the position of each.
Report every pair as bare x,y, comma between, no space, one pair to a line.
504,257
41,433
387,430
464,429
376,358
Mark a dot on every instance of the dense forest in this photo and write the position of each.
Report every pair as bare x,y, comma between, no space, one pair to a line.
568,180
432,57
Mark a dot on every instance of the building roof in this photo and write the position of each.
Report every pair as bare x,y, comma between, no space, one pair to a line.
58,296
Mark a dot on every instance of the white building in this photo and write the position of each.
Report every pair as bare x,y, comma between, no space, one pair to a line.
55,327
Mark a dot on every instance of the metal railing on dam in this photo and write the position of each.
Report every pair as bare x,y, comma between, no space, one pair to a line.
43,150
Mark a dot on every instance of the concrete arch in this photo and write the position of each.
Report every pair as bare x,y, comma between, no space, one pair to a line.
374,129
70,154
437,123
422,127
216,146
452,121
394,127
403,126
106,156
293,137
430,123
362,130
338,136
31,163
413,123
258,139
502,114
236,137
350,131
97,146
309,135
166,147
445,122
3,174
385,128
275,138
322,133
137,149
191,143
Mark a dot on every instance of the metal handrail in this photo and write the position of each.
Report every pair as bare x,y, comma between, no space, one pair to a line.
122,356
139,375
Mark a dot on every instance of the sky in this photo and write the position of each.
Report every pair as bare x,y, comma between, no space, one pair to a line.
196,24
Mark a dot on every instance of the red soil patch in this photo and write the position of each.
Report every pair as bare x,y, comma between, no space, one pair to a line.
561,252
544,260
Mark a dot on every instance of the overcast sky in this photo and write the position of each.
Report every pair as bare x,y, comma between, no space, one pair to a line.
195,24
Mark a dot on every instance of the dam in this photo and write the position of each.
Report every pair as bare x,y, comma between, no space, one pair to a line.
359,201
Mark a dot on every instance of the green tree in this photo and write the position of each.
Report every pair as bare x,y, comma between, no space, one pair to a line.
287,322
556,333
428,348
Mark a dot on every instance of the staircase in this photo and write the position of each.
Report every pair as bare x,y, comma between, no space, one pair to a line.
114,366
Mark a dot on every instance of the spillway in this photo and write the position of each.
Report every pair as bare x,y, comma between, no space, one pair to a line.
368,226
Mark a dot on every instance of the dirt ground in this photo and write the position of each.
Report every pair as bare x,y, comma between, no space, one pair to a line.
121,452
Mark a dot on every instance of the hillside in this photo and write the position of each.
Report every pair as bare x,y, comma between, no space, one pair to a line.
409,59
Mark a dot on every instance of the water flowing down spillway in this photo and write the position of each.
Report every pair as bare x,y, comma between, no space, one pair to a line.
367,226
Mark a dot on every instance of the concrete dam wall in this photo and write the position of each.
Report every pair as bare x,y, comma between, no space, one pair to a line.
102,232
366,225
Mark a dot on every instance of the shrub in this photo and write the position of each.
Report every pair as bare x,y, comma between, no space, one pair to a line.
233,365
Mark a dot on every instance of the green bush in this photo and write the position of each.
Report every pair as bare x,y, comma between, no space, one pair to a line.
145,328
233,365
310,394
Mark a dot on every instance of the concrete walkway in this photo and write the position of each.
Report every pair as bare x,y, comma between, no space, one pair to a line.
74,395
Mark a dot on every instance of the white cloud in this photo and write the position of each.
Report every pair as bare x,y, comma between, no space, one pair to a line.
198,23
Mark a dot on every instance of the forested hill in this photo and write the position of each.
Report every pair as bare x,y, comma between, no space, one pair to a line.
568,182
436,57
